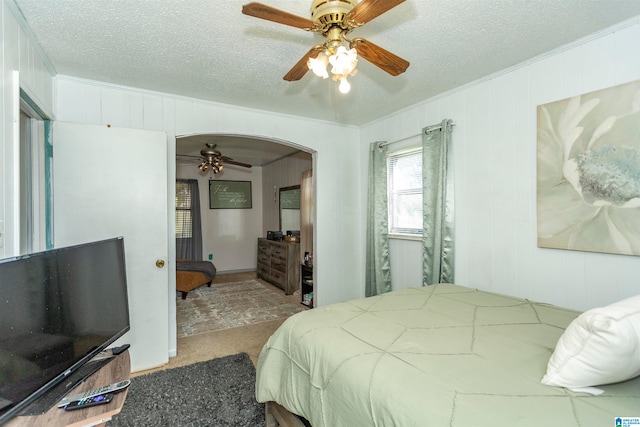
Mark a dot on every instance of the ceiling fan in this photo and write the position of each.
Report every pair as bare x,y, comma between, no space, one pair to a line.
334,20
211,159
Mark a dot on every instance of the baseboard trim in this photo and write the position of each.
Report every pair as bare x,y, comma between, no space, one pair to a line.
250,270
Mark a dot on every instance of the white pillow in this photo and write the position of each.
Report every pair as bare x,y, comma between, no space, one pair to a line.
601,346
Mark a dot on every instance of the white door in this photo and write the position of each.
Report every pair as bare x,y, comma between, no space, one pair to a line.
110,182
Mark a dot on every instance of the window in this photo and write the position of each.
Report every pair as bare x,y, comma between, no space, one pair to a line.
188,221
34,181
184,217
404,174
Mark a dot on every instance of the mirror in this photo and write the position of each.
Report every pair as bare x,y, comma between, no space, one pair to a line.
289,208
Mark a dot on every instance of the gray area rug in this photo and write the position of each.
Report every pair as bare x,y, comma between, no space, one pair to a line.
218,392
232,304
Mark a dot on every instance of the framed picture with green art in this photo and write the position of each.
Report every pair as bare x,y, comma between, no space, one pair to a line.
229,194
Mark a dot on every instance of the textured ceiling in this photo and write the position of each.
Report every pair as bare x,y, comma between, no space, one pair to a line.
208,49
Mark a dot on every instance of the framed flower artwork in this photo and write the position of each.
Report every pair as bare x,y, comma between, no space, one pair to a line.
588,171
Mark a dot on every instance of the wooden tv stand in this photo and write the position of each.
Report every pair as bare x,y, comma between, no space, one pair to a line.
118,369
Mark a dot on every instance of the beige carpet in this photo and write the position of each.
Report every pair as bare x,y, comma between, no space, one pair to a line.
224,342
232,305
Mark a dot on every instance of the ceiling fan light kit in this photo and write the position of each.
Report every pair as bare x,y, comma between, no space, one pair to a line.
211,159
213,165
334,19
343,64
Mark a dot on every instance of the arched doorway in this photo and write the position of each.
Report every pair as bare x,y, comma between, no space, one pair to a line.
275,164
231,234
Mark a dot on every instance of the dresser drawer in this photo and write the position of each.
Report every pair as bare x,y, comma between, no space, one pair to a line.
263,247
279,265
263,270
278,278
263,258
279,252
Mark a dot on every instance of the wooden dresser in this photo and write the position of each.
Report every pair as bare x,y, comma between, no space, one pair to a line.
279,263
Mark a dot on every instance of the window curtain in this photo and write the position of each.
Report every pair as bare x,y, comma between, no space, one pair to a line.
189,242
306,213
378,265
437,199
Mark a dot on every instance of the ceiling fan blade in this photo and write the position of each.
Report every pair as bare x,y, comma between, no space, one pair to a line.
262,11
185,158
380,57
233,162
300,69
368,10
188,161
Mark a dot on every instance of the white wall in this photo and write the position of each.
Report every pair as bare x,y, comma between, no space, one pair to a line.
284,172
336,164
494,150
229,235
22,55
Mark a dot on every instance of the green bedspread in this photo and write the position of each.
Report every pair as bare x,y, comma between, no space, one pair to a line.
442,355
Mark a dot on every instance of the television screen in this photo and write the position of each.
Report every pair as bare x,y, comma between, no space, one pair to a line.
58,309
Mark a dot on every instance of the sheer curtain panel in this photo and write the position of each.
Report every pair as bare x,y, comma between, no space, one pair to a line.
437,199
306,213
378,268
188,220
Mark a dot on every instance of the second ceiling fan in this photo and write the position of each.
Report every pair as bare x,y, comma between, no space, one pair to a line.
211,159
334,20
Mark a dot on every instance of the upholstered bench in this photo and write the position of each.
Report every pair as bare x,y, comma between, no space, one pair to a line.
192,274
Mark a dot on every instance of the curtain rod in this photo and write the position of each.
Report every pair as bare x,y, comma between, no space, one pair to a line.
427,129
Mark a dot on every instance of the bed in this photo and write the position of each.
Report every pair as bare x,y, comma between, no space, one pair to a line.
193,274
442,355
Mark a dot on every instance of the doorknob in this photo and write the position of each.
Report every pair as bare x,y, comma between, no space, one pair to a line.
160,263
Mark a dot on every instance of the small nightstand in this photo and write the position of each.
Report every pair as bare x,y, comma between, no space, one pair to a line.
306,285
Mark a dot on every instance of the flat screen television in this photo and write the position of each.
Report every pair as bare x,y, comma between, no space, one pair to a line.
58,310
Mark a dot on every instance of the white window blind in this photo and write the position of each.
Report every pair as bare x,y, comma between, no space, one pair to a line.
404,173
184,217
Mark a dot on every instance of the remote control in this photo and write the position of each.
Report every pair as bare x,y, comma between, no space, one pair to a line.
117,350
89,401
111,388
